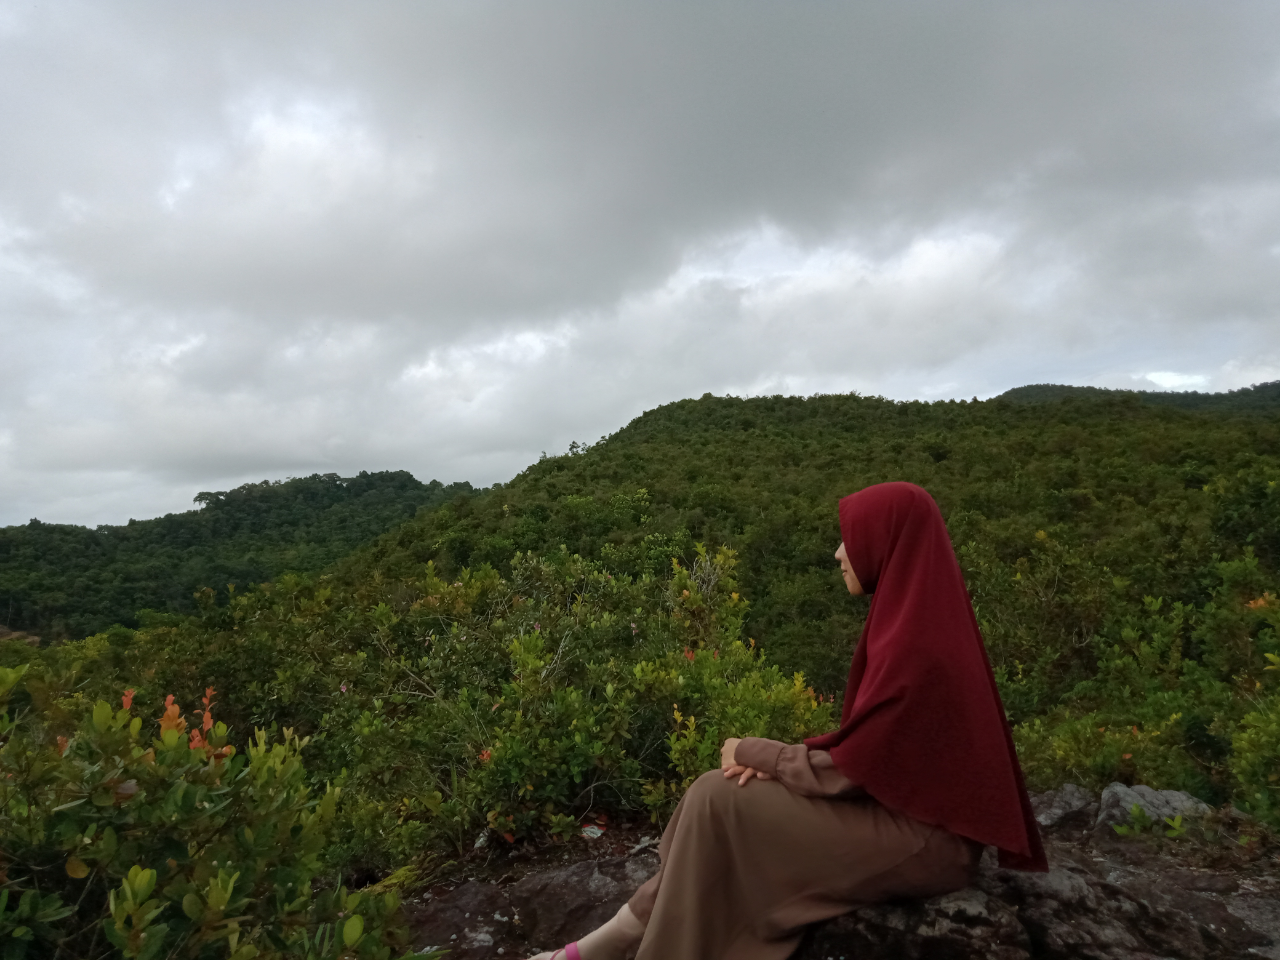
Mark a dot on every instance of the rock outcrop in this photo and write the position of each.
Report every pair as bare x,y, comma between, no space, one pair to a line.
547,908
1103,898
1070,807
1118,800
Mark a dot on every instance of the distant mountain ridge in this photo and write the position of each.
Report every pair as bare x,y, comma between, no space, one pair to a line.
63,580
1259,398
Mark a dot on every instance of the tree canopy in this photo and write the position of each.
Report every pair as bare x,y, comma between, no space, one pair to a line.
60,580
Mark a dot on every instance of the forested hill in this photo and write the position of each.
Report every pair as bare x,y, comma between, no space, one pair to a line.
1260,398
1092,488
59,580
525,656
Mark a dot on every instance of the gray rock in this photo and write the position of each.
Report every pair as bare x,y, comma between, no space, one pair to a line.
1203,881
545,910
1261,914
1118,800
1063,887
958,926
561,905
1101,901
1065,914
1188,915
470,921
1067,808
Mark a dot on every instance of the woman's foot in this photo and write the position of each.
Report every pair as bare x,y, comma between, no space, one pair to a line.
615,940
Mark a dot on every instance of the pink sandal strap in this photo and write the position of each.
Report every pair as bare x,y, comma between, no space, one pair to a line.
571,951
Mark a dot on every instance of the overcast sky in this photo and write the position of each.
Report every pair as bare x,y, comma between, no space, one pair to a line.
262,239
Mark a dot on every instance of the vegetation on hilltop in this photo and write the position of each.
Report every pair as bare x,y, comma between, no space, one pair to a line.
1123,558
581,639
1259,398
1119,490
59,580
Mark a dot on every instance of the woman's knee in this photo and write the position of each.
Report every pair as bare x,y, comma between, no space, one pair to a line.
708,784
718,794
709,790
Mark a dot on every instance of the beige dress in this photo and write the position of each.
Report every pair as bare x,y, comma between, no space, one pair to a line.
744,869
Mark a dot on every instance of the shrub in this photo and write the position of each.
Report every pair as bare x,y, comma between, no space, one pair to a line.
178,845
573,716
719,696
1247,511
508,706
1256,760
1168,703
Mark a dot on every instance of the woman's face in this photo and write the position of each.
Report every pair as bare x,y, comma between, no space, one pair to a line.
846,571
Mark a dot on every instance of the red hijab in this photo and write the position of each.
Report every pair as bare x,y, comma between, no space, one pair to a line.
923,729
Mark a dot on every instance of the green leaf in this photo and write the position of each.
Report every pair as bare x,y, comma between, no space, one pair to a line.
193,906
102,715
153,941
352,930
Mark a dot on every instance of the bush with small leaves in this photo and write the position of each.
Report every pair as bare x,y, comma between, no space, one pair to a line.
173,845
1255,761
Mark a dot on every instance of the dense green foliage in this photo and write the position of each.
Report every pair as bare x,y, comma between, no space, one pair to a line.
448,708
1119,489
1259,398
1112,549
59,580
499,667
118,843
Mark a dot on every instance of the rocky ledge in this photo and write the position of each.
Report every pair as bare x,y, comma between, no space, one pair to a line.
1211,893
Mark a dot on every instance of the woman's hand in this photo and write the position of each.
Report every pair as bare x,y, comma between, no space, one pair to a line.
727,751
733,769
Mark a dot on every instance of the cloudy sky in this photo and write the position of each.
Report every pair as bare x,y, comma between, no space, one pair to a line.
248,240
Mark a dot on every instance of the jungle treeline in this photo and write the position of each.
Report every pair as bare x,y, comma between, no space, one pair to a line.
496,665
1096,488
60,581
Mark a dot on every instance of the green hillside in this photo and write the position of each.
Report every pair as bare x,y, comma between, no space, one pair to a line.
1119,487
60,580
1259,398
581,639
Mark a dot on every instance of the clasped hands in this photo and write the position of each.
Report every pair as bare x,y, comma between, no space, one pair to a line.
733,769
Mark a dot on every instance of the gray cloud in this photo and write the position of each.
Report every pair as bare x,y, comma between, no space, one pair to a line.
242,240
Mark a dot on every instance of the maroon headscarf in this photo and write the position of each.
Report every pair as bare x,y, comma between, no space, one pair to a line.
923,729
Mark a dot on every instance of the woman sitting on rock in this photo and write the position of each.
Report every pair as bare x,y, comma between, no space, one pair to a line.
898,802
